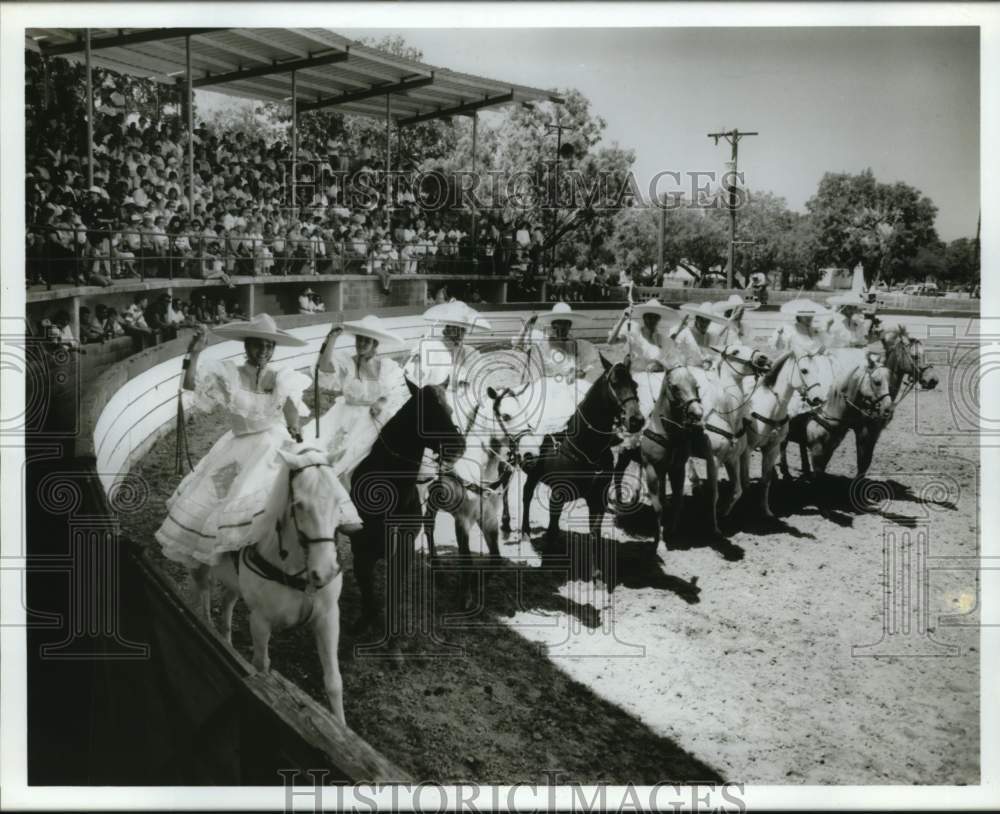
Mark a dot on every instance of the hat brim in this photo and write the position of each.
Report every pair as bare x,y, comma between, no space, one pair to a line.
574,319
804,308
696,310
665,312
246,331
382,337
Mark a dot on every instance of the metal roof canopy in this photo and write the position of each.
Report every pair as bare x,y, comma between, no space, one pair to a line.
331,71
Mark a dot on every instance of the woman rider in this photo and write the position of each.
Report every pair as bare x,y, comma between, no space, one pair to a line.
693,337
649,347
222,504
369,389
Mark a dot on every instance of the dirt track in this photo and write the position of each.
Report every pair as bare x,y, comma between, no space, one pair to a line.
732,662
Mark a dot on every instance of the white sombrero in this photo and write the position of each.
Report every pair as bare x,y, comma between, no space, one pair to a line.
457,313
848,298
261,326
735,301
804,307
562,312
374,328
669,316
704,310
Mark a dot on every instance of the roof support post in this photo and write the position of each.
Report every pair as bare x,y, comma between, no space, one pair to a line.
189,96
475,231
295,141
90,112
388,166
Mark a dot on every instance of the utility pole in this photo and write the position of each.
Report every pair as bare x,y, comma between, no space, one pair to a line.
558,130
746,274
733,137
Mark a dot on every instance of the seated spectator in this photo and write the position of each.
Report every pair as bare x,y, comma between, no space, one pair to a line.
58,331
113,327
306,305
236,311
91,325
318,305
158,318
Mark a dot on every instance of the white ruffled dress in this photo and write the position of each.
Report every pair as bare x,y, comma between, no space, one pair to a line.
223,504
348,429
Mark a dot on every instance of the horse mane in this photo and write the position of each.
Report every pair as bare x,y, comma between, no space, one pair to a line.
771,377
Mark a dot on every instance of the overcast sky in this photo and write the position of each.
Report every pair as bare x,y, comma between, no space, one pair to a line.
902,101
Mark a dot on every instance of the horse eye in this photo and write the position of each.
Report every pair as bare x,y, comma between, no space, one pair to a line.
506,416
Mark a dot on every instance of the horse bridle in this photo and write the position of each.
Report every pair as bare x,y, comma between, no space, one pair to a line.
916,372
267,570
804,390
513,441
682,406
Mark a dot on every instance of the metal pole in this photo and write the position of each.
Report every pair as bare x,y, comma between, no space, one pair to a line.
90,114
295,135
189,95
388,164
555,200
731,270
475,231
659,242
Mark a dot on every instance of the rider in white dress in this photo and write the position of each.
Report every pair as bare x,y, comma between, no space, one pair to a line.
559,368
225,502
369,390
693,336
650,347
733,332
802,337
846,328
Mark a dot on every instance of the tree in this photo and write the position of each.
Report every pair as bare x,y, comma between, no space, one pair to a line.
860,220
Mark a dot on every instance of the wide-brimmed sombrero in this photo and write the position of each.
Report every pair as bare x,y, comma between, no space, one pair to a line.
261,326
848,298
562,312
668,315
374,328
735,301
457,313
804,307
703,310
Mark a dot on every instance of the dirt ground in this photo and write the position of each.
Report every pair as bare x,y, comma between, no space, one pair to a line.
743,661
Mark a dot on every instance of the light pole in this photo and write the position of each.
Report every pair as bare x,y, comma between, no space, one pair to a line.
733,137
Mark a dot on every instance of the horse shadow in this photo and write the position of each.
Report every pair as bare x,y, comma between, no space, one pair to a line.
640,520
840,498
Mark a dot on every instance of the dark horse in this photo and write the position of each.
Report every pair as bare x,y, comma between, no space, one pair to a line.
383,488
577,461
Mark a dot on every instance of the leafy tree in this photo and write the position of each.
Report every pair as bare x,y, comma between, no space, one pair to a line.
858,219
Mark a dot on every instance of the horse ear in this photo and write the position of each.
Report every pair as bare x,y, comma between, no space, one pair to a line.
492,393
627,361
605,362
412,387
444,384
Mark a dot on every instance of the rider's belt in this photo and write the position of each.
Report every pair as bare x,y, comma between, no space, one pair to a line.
771,422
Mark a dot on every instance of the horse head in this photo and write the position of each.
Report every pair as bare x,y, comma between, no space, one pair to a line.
625,392
508,414
682,397
815,377
435,424
872,396
312,514
926,375
743,360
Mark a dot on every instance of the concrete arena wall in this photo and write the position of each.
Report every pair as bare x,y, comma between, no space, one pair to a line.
134,402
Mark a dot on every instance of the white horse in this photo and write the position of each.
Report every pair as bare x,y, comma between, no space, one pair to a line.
726,402
808,376
292,577
473,489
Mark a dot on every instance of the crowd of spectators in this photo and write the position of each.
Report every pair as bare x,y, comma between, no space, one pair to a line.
148,320
140,218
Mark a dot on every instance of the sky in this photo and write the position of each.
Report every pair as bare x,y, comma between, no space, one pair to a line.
903,101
